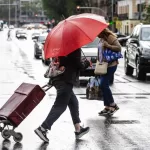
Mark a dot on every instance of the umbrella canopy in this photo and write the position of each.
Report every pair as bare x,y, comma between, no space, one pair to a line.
72,33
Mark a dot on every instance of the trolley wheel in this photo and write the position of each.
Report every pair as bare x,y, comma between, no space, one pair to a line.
5,134
18,137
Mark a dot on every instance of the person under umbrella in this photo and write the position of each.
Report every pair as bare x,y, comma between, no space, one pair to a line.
64,41
65,95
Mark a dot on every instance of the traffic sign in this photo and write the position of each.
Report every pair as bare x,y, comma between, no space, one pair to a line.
118,24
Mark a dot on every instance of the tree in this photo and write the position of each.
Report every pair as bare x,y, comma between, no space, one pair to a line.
32,8
59,8
146,14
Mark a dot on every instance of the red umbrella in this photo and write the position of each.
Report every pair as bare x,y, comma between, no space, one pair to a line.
72,33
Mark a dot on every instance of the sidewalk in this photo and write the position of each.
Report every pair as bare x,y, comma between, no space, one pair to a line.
10,76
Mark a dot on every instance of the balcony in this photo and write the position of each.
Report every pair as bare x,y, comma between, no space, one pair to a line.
123,16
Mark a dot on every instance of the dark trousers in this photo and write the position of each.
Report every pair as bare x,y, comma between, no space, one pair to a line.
107,94
65,97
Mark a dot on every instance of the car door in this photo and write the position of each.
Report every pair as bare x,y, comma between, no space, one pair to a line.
135,45
132,46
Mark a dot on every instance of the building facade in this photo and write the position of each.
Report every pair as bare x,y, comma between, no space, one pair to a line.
31,11
130,13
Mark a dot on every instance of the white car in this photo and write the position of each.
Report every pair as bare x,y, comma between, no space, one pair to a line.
11,27
90,51
39,44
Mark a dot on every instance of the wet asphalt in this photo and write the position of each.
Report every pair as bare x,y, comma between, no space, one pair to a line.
127,129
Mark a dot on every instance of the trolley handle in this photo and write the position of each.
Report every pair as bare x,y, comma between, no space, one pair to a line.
46,87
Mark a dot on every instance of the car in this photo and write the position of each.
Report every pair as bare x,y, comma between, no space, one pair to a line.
35,35
137,53
38,46
44,60
21,34
1,25
122,39
11,27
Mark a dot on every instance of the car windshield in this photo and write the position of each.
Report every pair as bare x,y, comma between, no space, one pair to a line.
92,44
145,36
41,39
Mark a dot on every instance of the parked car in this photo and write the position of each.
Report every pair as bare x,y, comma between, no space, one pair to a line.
90,51
122,39
21,34
137,53
44,60
35,35
38,46
11,27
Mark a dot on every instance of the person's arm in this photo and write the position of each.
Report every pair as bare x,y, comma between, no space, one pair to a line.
75,59
115,45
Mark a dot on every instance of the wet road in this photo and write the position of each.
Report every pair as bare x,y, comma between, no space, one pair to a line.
128,129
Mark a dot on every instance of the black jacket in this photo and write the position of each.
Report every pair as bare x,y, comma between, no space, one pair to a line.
73,65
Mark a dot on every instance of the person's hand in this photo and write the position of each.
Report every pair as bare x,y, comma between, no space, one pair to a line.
105,45
62,68
87,63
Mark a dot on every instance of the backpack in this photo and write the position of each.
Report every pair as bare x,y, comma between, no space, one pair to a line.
93,91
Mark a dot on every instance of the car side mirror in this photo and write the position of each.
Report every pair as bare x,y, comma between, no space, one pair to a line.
134,41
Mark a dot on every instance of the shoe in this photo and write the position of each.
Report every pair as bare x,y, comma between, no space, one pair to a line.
104,112
82,132
42,133
111,112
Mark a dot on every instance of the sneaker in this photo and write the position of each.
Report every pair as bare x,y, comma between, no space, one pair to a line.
42,133
82,132
105,111
111,112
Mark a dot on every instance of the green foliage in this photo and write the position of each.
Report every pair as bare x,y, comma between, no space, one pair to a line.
59,8
146,15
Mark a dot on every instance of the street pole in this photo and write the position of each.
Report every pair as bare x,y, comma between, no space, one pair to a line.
16,15
140,11
112,13
9,13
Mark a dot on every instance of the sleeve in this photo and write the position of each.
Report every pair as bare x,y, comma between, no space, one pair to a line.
115,46
75,59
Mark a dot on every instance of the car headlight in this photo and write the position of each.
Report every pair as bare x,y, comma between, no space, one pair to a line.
145,51
40,46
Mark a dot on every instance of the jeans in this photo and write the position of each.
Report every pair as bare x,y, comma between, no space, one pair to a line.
107,94
65,97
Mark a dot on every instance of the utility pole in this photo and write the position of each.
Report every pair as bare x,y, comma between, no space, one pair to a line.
9,13
112,13
140,11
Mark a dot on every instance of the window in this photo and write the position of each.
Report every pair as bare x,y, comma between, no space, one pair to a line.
145,34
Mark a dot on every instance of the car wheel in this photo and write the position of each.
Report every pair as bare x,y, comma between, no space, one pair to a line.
127,69
140,75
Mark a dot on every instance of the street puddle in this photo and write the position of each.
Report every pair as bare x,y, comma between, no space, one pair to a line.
111,121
